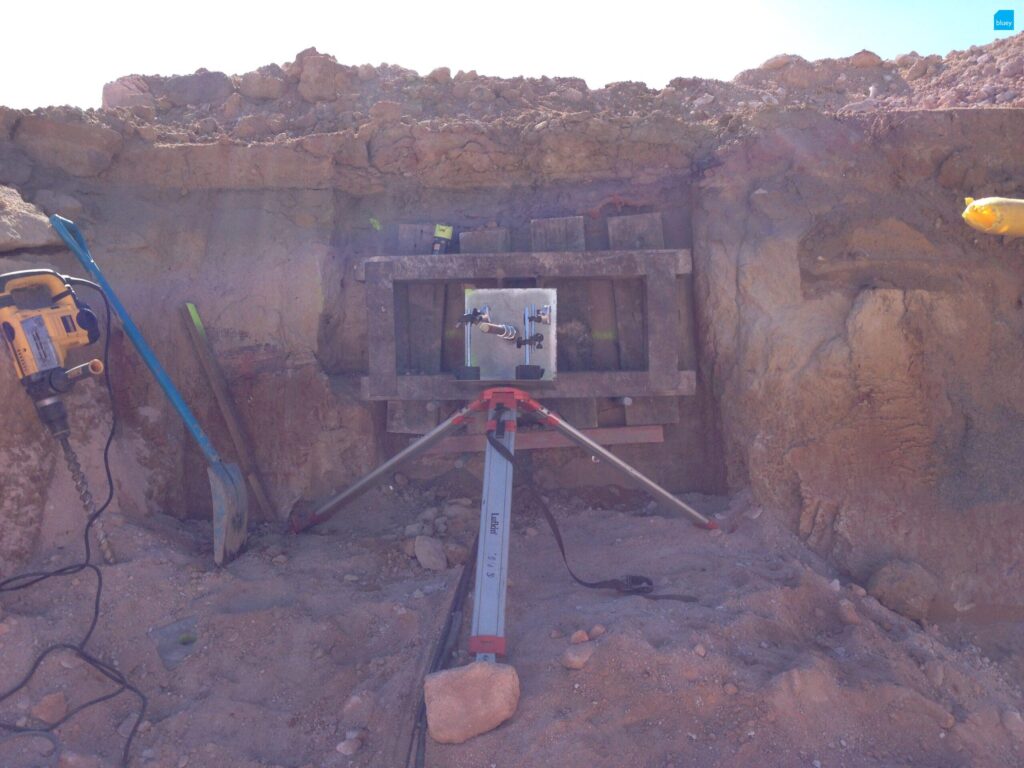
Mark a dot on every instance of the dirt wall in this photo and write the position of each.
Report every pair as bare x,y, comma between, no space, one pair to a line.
836,277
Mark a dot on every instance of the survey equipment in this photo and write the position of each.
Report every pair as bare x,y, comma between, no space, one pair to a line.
499,349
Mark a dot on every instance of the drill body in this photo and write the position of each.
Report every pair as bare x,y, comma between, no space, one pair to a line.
41,320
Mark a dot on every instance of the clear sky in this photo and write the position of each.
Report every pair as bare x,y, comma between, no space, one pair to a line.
61,52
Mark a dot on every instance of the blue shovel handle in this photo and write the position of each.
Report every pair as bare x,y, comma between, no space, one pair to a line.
74,239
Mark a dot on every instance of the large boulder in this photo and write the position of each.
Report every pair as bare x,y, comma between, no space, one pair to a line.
265,83
77,146
322,78
130,91
22,225
201,88
467,701
904,587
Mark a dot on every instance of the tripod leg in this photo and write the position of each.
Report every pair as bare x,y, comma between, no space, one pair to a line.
301,519
488,636
595,449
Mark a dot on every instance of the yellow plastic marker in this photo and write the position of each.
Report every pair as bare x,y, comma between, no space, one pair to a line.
995,215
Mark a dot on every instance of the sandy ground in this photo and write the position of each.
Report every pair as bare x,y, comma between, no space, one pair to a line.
270,661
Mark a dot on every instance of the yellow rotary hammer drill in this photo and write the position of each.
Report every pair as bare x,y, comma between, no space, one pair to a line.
41,320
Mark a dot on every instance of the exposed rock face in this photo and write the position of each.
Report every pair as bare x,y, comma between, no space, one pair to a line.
857,299
68,142
467,701
22,225
904,587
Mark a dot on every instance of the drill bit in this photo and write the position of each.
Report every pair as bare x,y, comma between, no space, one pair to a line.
82,486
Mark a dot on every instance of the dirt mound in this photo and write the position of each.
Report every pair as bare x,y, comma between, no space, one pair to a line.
316,94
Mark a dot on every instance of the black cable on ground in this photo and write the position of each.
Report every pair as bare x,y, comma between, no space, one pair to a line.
417,751
26,580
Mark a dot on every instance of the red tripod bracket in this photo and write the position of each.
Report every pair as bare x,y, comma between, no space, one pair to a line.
511,398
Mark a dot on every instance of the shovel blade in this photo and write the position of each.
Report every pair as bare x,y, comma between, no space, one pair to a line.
230,511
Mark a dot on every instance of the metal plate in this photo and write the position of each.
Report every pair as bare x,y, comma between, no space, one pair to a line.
498,358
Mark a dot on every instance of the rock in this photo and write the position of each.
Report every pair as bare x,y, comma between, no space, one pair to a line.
251,127
848,613
74,144
467,701
22,225
208,126
579,636
279,559
126,726
265,83
414,529
440,75
357,733
409,547
700,650
864,105
429,514
1006,96
730,689
703,100
918,70
130,91
904,587
201,88
858,590
1013,67
1013,723
780,61
596,631
359,707
349,746
430,553
233,106
386,111
865,60
322,77
460,510
58,202
935,672
573,95
456,553
906,59
834,585
51,708
577,656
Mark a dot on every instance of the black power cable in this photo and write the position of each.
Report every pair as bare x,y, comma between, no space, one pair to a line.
26,580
